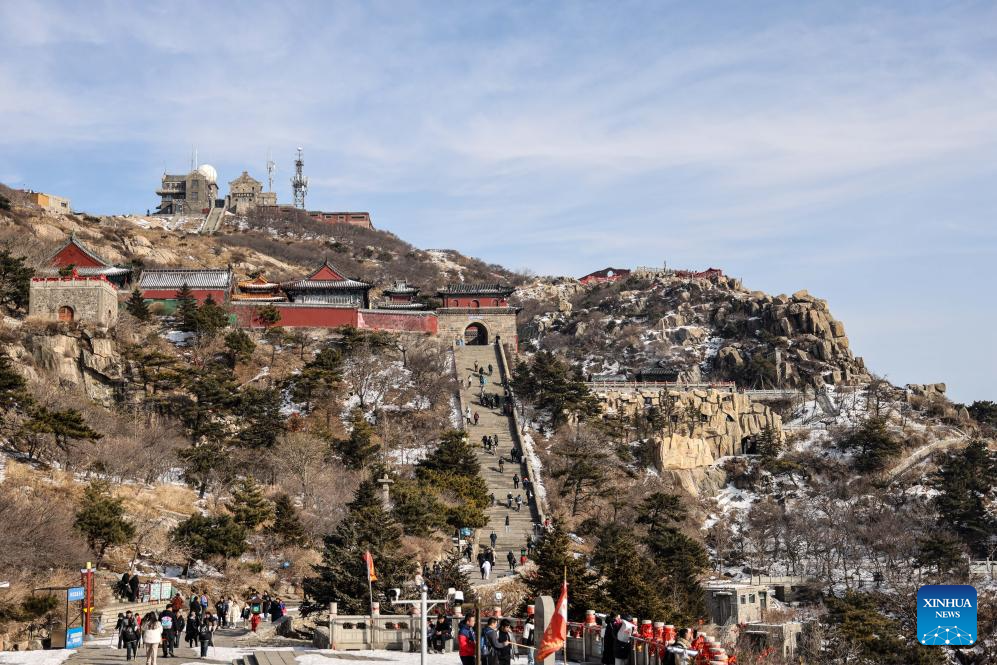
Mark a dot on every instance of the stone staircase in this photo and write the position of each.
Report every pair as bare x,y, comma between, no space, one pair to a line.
267,658
491,422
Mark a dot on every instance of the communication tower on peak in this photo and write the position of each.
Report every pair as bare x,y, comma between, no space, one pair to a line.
299,183
271,170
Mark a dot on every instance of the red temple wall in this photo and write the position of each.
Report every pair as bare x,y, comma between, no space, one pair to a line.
296,316
396,322
220,296
469,301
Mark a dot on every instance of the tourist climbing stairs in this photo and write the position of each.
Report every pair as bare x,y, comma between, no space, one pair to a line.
492,422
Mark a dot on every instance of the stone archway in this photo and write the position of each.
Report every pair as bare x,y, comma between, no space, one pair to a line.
66,313
476,334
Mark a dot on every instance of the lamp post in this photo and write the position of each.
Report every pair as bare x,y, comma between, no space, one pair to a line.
424,605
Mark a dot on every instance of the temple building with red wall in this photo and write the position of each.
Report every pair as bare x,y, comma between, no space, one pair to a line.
477,314
163,284
76,255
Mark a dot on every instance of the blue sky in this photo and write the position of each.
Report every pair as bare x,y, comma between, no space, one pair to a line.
847,148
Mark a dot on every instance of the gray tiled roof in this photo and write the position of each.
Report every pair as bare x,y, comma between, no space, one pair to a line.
109,270
195,278
471,288
324,284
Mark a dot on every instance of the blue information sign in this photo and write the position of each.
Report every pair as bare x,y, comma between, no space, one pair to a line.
75,593
74,637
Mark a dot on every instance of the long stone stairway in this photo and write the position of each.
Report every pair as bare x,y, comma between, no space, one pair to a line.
491,422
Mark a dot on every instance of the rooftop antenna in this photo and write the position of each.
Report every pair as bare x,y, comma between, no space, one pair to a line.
299,183
271,169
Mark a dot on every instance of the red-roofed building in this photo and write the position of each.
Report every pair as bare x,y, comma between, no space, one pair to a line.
87,263
604,275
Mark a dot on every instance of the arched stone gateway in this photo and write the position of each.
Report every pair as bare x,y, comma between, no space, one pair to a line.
66,313
476,335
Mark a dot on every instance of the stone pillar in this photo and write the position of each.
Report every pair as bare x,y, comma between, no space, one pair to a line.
544,612
386,484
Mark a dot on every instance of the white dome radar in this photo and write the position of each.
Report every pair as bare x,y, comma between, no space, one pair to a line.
209,172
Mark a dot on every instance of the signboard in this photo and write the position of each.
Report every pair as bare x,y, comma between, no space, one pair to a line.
155,591
74,637
166,592
75,593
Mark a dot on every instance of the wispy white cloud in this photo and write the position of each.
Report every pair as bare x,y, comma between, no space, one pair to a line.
564,135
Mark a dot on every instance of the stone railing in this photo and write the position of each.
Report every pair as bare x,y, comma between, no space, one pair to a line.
539,501
364,632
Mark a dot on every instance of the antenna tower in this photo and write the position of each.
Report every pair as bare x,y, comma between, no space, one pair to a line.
271,169
299,183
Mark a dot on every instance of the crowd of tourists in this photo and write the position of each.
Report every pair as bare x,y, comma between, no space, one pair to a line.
619,631
193,620
502,640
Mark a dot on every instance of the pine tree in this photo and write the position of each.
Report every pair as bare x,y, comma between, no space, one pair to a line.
967,485
451,577
582,470
261,418
679,559
211,318
359,449
66,427
872,444
319,380
553,556
555,388
101,519
984,412
208,537
416,508
682,561
630,577
137,306
249,506
286,525
342,574
239,346
186,311
453,454
942,552
854,624
769,445
661,507
202,463
13,394
452,472
268,316
15,281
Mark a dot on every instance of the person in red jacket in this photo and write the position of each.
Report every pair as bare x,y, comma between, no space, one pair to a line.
467,640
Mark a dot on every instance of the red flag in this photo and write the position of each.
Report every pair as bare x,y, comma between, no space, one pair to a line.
557,632
369,560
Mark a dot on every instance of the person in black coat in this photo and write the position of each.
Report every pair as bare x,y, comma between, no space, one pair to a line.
133,589
609,640
193,629
130,636
123,585
178,629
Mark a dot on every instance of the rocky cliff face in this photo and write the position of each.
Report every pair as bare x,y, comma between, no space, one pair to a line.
691,329
795,337
75,358
696,427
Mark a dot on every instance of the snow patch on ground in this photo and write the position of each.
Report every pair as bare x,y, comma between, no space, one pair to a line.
536,467
40,657
178,337
731,502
